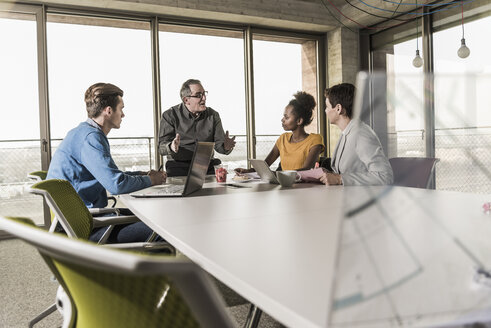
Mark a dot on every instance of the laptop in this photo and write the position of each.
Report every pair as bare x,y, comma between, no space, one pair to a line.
195,178
262,168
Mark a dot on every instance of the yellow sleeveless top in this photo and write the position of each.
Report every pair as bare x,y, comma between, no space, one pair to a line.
293,155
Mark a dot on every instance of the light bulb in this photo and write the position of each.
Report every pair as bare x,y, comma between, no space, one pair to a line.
463,51
417,61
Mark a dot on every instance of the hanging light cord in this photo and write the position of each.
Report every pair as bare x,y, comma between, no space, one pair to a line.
417,44
462,5
395,10
334,16
375,15
402,21
353,21
414,13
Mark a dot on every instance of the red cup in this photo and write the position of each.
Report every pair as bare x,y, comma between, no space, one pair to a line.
221,173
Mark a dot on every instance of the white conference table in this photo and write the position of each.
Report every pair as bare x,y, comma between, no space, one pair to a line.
289,251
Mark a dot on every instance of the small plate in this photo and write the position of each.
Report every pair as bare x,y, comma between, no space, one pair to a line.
241,178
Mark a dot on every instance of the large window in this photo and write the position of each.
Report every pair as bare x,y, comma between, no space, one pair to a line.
216,58
73,50
405,98
19,127
405,106
458,89
282,66
462,103
83,51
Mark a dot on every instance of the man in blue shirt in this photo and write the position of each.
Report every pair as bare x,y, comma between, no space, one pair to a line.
84,159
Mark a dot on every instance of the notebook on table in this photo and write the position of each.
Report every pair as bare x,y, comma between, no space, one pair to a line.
194,180
262,168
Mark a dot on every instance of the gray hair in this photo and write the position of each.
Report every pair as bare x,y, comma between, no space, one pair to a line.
186,90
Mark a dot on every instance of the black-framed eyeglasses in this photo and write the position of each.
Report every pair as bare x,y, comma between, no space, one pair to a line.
199,95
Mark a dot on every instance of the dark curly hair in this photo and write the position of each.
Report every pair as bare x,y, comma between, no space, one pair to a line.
303,106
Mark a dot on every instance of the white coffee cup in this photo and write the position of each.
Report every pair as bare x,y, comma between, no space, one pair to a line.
287,178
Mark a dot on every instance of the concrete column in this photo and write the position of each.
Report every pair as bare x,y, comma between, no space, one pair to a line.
343,56
309,78
342,66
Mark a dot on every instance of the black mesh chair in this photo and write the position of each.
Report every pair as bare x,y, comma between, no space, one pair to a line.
181,168
325,162
413,172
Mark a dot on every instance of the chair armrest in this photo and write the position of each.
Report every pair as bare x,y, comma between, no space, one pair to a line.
103,210
144,246
113,199
103,221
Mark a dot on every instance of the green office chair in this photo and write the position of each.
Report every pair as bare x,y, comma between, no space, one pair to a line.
41,176
76,219
113,288
37,175
68,209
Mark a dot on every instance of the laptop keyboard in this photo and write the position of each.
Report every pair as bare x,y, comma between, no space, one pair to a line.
171,189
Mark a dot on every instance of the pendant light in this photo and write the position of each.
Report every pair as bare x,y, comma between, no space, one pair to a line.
463,51
417,61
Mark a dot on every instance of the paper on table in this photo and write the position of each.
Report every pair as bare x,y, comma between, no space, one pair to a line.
246,177
311,175
252,175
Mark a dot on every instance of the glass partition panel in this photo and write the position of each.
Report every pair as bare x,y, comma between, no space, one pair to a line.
216,58
405,99
85,50
410,257
19,127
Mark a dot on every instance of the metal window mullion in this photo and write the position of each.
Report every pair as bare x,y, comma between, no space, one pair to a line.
249,94
322,124
157,101
428,94
44,121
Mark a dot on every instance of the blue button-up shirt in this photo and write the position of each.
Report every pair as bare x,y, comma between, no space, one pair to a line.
84,159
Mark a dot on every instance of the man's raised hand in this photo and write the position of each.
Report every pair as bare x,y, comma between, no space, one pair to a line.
174,146
229,143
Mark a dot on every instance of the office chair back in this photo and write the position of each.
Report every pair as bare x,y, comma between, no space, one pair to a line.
37,175
113,288
68,208
325,162
413,171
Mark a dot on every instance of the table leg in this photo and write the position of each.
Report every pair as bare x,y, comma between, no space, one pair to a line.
253,317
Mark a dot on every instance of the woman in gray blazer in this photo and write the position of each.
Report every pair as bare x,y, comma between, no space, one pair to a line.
358,158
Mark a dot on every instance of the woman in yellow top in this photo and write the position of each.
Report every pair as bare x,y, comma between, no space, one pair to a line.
297,149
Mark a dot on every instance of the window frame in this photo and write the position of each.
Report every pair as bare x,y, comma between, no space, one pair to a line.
41,11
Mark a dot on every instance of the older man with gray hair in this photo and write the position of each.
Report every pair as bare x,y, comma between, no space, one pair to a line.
185,124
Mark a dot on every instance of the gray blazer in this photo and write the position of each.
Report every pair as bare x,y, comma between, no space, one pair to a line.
359,157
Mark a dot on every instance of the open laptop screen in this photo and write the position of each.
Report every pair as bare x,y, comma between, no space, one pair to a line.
201,160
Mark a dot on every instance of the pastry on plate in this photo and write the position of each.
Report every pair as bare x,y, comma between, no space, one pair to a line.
240,178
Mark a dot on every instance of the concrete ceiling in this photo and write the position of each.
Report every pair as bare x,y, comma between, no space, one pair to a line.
311,15
302,15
